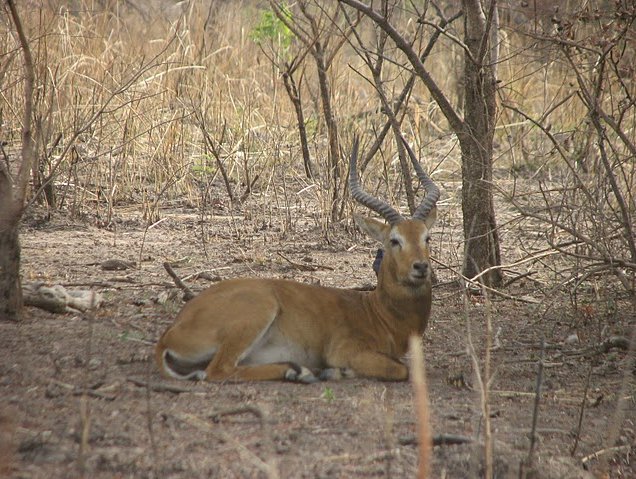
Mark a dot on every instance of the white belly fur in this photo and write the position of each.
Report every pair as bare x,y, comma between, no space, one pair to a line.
274,347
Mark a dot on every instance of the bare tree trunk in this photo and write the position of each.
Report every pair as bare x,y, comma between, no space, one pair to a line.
13,191
294,96
476,139
475,131
316,38
332,129
10,286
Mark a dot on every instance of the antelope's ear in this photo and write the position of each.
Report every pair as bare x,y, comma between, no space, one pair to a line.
429,221
377,230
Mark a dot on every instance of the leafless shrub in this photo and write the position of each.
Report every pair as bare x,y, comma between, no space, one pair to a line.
587,205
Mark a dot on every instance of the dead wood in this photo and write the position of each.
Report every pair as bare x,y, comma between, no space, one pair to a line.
187,292
58,299
438,440
216,416
159,387
303,267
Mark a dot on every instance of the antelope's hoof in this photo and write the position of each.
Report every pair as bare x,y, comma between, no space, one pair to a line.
336,374
301,375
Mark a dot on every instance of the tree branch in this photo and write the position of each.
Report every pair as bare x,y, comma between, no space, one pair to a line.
455,121
28,154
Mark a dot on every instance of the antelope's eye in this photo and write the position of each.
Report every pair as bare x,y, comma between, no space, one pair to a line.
428,240
394,242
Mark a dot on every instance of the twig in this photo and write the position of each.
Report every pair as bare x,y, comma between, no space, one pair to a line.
475,363
604,452
535,411
28,153
187,292
517,278
487,288
507,266
451,114
85,423
216,416
95,394
438,440
303,267
159,387
577,436
80,391
205,274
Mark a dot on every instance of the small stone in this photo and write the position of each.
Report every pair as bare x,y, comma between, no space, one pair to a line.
94,363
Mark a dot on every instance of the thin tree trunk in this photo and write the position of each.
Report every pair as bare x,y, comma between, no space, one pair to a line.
10,287
475,131
13,192
332,128
294,96
476,139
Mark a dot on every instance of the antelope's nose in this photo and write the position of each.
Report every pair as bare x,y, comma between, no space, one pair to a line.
420,267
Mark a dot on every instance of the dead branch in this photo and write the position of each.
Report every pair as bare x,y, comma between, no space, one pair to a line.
84,391
451,114
159,387
406,90
303,267
604,453
479,286
187,292
438,440
28,154
577,435
216,416
57,299
535,410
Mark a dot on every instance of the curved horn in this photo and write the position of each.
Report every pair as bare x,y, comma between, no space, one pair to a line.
387,212
432,191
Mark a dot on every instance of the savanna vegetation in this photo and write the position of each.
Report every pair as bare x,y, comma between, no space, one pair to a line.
214,136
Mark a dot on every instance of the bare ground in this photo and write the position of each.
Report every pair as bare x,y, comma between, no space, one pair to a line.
76,401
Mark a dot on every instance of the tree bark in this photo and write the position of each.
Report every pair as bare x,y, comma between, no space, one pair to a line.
10,286
294,96
332,129
13,192
475,130
481,249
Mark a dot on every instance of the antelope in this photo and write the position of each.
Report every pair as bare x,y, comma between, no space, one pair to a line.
270,329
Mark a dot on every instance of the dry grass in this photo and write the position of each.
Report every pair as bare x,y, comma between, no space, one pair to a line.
124,94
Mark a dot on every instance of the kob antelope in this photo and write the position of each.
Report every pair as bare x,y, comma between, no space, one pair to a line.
268,329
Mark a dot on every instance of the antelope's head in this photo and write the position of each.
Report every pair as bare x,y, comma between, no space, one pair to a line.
406,261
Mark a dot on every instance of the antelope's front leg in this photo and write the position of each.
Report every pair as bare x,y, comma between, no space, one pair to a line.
366,363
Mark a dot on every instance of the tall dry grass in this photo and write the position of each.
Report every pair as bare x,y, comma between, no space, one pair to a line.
127,96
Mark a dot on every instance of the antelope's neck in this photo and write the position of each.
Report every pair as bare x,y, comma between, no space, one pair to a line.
403,309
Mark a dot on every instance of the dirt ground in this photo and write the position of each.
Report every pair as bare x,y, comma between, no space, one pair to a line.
80,396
